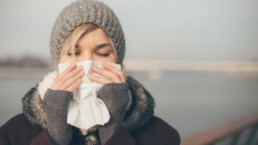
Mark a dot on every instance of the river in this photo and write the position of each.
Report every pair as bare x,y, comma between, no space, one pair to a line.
189,101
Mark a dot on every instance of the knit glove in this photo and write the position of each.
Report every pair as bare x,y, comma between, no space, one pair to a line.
116,96
56,104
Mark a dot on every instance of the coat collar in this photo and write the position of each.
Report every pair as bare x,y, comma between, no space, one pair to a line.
139,113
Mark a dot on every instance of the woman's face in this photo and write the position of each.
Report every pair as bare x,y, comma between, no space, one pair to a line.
95,46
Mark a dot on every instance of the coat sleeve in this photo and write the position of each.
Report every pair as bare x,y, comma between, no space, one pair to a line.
3,136
42,139
19,131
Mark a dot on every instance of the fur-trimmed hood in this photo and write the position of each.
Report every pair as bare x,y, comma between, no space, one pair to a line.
138,114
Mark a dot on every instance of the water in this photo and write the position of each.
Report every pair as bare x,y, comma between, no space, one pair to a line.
11,93
190,102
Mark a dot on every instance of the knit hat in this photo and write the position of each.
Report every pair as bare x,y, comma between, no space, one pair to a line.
81,12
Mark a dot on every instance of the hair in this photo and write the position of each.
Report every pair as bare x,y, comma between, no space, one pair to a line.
80,31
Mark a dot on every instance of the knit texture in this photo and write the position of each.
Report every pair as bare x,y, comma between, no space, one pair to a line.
56,104
116,96
81,12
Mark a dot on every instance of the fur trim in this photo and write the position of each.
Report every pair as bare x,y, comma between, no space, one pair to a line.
33,108
142,106
139,113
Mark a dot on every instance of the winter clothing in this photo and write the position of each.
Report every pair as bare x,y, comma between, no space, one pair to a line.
116,102
81,12
139,126
56,104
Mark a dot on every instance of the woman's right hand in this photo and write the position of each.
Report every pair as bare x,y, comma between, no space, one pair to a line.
68,80
56,103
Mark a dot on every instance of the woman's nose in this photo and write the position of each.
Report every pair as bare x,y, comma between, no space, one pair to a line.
85,56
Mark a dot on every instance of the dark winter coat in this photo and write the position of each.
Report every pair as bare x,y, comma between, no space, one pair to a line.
141,127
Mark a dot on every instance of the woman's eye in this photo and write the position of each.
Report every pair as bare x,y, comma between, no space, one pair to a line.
73,54
103,54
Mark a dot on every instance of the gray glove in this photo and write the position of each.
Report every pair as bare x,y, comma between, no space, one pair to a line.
56,104
116,96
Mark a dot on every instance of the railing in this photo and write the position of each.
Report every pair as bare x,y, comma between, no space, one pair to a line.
239,132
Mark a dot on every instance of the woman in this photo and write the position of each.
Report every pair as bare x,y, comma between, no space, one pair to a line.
88,30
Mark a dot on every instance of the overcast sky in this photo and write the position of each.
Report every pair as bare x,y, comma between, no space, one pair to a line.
166,29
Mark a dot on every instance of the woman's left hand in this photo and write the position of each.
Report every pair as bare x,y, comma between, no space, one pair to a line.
110,74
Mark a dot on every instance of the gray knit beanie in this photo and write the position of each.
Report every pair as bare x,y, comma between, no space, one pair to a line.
81,12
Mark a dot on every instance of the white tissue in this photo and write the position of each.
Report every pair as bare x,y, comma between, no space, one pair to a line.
85,109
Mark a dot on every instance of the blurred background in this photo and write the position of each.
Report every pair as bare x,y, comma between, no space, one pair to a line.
199,59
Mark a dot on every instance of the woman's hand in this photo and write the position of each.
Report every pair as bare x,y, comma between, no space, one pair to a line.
56,103
110,74
68,80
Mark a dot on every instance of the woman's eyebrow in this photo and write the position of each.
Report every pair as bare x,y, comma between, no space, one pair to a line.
103,45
